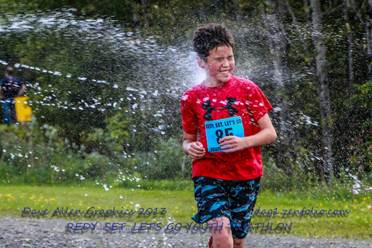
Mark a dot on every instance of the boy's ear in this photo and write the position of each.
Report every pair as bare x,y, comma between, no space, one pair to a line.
201,62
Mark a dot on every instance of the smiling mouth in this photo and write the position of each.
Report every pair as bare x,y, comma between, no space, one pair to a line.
225,72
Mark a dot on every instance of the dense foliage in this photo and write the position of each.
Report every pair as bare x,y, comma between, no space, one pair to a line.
131,124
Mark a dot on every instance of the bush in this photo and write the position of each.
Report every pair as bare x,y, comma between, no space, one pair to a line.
167,161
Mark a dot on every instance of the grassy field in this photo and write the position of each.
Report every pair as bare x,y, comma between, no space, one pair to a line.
175,203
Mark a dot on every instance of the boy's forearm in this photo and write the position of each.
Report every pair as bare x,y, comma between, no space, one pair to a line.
265,136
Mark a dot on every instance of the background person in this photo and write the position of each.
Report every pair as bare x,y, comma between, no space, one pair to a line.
10,87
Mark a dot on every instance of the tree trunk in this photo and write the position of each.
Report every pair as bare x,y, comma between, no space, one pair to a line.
306,9
350,70
144,13
278,48
369,39
277,43
323,90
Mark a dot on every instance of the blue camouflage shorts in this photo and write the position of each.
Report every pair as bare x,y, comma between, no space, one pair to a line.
232,199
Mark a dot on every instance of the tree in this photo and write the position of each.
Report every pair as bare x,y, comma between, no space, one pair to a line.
323,90
349,33
277,41
369,39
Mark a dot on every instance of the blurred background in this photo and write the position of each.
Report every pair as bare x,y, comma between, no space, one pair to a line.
104,80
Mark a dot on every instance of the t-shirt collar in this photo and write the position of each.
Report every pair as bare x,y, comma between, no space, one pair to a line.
219,86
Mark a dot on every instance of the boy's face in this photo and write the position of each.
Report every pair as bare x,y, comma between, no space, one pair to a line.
220,63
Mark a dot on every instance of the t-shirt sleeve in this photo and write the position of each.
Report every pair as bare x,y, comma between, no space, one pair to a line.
259,104
189,119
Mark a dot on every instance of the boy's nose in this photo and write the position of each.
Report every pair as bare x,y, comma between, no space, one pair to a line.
225,63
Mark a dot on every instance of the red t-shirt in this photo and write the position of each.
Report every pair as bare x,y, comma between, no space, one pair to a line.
236,97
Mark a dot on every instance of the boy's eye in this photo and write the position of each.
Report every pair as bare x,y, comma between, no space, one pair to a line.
229,58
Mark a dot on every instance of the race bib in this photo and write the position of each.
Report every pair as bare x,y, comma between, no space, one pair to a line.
217,129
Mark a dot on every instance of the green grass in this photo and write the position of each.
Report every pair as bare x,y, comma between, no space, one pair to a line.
178,199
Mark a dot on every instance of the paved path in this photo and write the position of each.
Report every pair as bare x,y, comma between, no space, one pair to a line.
40,233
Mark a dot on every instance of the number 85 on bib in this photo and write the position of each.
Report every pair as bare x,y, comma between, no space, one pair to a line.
217,129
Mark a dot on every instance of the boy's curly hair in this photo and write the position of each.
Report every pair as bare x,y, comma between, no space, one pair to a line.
211,36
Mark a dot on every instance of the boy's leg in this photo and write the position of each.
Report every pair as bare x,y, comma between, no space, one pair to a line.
239,243
220,232
242,195
213,204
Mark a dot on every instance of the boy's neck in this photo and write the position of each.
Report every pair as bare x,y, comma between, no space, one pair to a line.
211,82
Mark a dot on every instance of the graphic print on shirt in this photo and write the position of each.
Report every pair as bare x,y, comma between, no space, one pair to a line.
229,106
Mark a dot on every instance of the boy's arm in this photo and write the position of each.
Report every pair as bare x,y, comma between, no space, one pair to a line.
191,146
266,135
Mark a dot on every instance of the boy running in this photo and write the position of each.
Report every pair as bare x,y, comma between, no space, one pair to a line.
225,121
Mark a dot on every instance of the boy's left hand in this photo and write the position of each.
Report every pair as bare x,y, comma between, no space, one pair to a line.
232,144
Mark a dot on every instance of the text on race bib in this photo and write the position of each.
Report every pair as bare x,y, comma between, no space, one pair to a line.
217,129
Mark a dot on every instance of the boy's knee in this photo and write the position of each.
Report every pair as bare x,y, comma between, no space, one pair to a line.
221,232
219,224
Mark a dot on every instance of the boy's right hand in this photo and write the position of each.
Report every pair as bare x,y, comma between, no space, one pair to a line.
195,150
